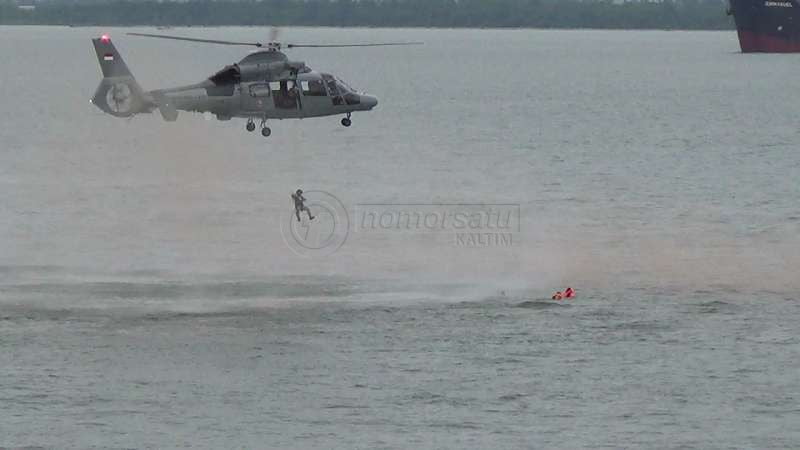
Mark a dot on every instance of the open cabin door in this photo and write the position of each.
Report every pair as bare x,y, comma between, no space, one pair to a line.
315,96
285,94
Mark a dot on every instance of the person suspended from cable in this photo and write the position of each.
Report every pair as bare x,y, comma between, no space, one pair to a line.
299,205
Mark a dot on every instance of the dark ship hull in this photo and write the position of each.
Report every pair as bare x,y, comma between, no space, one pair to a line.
767,26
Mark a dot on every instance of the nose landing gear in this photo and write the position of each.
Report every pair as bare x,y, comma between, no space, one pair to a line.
346,121
251,126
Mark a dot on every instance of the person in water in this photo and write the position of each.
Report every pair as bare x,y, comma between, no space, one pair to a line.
299,205
568,293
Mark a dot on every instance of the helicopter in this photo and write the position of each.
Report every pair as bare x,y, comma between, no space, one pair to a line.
263,85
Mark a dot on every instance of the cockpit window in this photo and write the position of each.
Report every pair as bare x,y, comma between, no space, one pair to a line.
330,84
333,89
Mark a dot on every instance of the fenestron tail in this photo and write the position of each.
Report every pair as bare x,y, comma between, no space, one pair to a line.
118,93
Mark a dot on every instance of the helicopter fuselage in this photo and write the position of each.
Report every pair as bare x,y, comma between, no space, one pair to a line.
310,94
264,85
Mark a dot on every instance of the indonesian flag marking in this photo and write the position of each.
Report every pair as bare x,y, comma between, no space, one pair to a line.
108,57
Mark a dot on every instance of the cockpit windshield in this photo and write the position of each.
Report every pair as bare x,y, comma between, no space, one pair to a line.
340,92
344,87
338,85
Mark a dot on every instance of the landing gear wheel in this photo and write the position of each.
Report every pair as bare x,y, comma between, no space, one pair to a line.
266,132
251,126
347,122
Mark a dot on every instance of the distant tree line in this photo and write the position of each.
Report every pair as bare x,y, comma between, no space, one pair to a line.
635,14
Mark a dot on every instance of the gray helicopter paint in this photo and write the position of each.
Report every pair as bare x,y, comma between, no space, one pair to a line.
266,86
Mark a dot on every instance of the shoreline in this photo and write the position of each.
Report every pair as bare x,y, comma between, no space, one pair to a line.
365,27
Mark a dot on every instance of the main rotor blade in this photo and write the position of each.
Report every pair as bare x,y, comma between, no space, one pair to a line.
204,41
351,45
